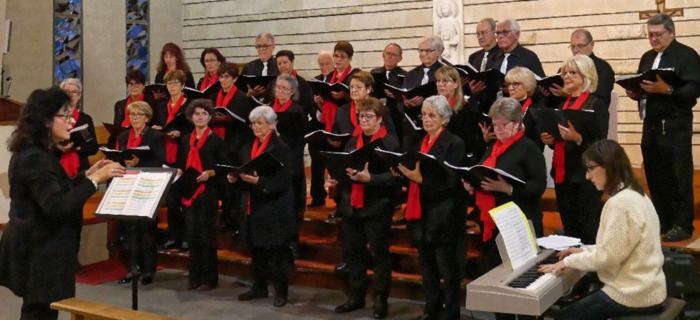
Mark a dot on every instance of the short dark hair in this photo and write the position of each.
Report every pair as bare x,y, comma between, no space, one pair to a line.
618,169
213,51
664,20
286,53
365,77
204,104
34,124
178,75
344,46
372,104
135,75
229,68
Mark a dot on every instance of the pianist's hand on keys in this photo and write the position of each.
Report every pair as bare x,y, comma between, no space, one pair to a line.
558,267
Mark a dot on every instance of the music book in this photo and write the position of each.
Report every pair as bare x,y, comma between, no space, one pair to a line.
142,152
380,80
478,173
547,82
229,115
393,159
178,123
80,135
320,136
427,90
114,130
633,82
547,120
337,161
264,163
518,238
137,194
253,81
324,89
415,125
492,78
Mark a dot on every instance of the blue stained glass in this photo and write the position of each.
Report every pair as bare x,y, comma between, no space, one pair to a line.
67,39
137,36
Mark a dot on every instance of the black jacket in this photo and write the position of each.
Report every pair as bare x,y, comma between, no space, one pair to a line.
237,132
89,148
151,138
212,152
291,126
520,57
465,125
343,124
255,67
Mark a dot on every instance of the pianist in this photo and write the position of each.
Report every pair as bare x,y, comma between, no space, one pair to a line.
627,256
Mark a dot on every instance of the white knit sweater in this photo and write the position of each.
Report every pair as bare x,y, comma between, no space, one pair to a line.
627,255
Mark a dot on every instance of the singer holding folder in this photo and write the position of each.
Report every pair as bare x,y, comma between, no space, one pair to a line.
268,223
46,206
522,86
436,211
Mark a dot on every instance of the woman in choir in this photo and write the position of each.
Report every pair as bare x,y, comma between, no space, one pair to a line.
211,59
522,86
268,224
46,206
201,150
135,84
164,114
627,255
171,59
140,113
436,211
74,158
578,201
342,57
366,202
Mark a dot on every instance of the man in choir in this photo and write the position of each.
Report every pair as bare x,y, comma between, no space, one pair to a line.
483,60
394,75
318,192
668,127
514,55
264,65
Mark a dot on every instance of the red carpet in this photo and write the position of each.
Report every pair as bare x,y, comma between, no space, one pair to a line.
101,272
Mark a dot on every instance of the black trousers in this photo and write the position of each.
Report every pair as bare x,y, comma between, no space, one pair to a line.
580,206
271,264
367,239
668,166
176,219
142,243
37,311
318,191
439,262
201,237
299,186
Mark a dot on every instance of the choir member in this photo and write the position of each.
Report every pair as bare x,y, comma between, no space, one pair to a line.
140,113
578,201
393,75
436,212
269,222
317,189
46,206
171,59
522,86
74,158
135,84
513,54
668,127
285,65
627,256
346,120
200,150
211,59
342,57
264,65
482,59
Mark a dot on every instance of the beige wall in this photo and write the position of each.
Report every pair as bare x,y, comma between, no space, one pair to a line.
166,26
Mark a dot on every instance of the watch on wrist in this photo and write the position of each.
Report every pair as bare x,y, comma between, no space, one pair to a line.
669,91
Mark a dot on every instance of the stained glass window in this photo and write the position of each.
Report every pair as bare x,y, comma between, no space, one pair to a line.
67,43
137,36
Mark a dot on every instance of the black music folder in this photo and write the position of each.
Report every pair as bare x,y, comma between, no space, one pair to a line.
229,115
80,135
547,120
178,123
492,78
253,81
190,93
264,163
547,82
380,80
321,136
474,175
393,159
633,82
141,152
324,89
337,162
187,182
427,90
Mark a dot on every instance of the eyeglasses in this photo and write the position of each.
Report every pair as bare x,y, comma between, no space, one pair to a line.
136,115
73,92
503,32
366,116
64,116
513,85
656,35
570,73
426,50
590,167
579,46
262,46
133,84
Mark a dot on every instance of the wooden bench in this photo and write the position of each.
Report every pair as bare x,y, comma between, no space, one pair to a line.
87,310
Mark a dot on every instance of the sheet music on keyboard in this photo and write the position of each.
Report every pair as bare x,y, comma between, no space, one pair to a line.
514,228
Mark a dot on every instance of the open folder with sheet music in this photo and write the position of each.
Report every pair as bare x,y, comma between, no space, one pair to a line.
137,194
264,163
338,162
478,173
547,120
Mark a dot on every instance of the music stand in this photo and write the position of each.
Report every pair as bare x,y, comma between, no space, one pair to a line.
118,203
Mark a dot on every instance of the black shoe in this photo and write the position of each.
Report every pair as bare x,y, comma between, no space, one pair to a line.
350,305
125,280
280,300
677,234
147,279
381,307
252,294
170,245
341,268
316,204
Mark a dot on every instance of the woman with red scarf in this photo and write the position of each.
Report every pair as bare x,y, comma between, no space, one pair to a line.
268,224
135,84
579,202
346,120
140,113
171,59
211,60
74,158
522,86
436,211
342,57
365,202
200,150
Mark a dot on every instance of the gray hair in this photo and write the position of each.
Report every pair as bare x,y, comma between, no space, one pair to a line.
72,81
266,35
263,112
292,80
324,53
664,20
490,22
508,108
586,34
434,41
441,104
514,26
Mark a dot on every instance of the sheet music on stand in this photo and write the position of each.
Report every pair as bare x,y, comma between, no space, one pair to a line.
518,245
137,194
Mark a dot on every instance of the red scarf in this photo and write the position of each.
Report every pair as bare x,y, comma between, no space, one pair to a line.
134,139
194,161
357,131
526,104
413,205
485,200
208,81
171,144
256,151
222,101
294,72
558,159
357,193
70,161
329,108
452,102
127,121
281,107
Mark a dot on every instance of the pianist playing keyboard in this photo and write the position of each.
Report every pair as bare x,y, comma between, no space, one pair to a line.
627,255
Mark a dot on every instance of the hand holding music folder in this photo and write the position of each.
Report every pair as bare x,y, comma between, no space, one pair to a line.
474,175
178,123
248,80
142,152
427,90
324,89
262,165
633,82
337,162
547,120
229,116
320,137
393,159
492,78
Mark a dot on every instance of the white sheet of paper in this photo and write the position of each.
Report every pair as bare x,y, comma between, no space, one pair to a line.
517,236
135,194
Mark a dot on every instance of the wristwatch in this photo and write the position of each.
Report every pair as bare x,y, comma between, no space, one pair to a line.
669,91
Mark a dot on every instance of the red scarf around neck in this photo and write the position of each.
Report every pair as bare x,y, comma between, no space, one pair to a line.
357,192
357,131
126,122
526,104
208,80
278,107
558,159
70,161
222,101
194,161
329,108
485,200
171,144
255,151
413,205
134,139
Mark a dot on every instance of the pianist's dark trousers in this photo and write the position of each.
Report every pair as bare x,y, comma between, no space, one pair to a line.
439,261
579,207
201,237
599,305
